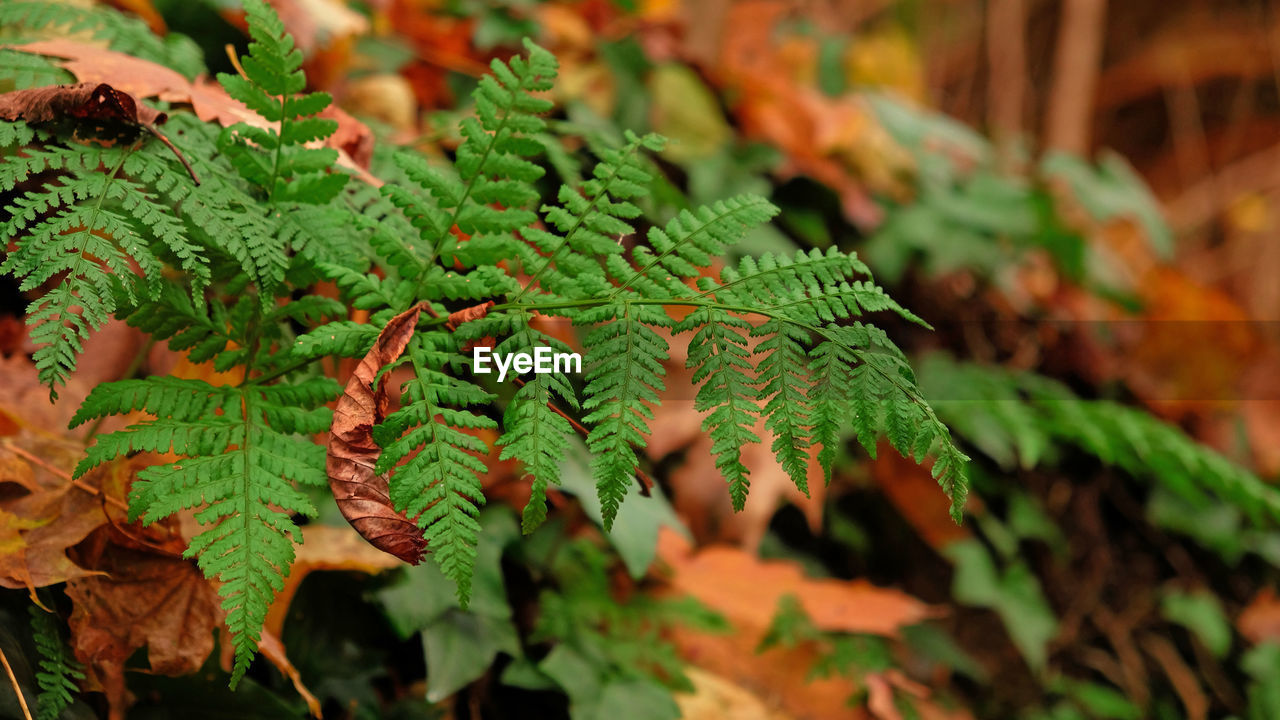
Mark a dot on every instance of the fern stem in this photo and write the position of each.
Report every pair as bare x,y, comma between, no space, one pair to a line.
275,163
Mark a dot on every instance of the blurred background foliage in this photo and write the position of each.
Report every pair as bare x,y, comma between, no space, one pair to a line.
1080,196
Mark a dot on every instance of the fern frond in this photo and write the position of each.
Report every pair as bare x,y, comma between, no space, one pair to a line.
787,410
487,199
624,377
721,362
829,400
538,437
22,70
59,673
589,225
94,228
440,482
691,241
243,455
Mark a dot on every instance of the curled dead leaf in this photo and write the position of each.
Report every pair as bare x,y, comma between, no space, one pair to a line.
353,139
467,314
362,495
86,101
83,101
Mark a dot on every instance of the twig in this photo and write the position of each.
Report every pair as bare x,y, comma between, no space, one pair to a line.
157,549
1075,75
17,689
1180,676
160,136
78,482
235,60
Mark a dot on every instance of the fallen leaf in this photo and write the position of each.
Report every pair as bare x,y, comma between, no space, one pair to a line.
914,492
1260,621
273,650
151,598
362,495
83,101
54,515
698,491
208,100
779,676
746,589
715,697
89,63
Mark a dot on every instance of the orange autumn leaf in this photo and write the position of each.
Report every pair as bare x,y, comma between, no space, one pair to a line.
747,589
1260,621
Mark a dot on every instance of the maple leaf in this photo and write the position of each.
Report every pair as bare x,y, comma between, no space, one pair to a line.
149,597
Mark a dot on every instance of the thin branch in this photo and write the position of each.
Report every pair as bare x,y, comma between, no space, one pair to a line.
1007,73
17,690
1075,75
78,482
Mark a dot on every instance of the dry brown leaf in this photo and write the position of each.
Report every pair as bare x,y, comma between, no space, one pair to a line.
88,63
362,495
149,598
40,525
82,101
353,139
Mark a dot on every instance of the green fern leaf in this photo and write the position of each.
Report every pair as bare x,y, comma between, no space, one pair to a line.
59,673
721,363
240,466
624,376
439,484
